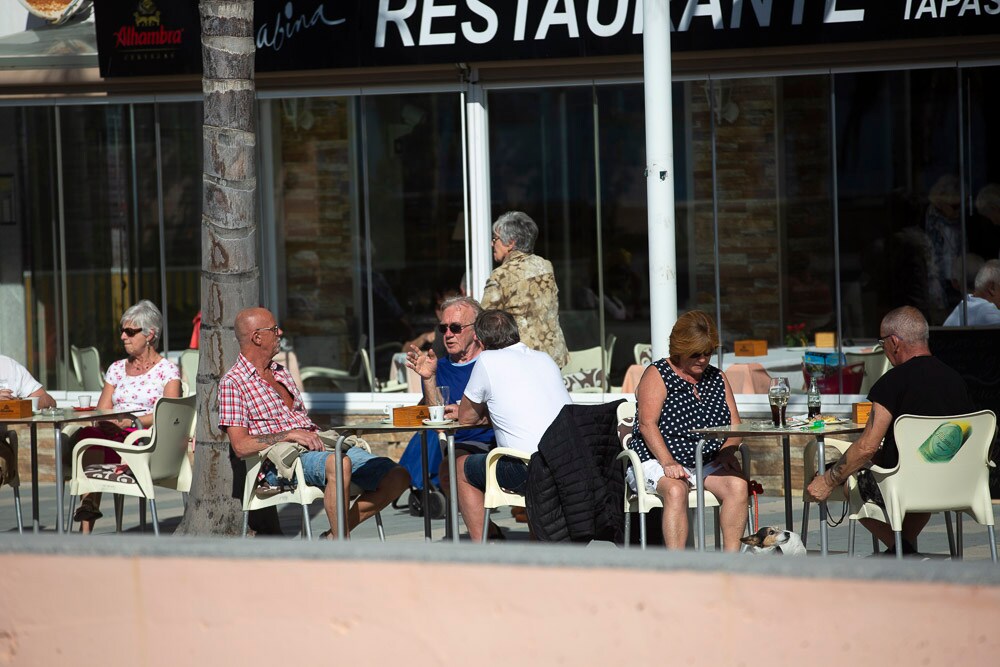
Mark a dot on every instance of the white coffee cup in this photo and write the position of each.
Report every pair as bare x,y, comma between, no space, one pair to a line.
34,403
437,413
387,410
84,401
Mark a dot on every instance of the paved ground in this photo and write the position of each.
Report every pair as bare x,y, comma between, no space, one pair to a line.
401,527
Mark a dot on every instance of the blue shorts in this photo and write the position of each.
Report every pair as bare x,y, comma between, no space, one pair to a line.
367,470
512,474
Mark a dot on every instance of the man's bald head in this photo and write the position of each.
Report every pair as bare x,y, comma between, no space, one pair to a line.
250,319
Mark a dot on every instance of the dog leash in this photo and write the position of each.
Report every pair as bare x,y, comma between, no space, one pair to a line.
755,490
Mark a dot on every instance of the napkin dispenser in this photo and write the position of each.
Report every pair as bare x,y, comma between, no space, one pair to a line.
826,339
412,415
15,409
750,348
860,412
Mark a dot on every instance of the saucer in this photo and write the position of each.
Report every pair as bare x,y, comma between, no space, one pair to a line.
77,408
443,422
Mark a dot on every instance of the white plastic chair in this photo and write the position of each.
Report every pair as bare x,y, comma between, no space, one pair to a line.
8,459
809,469
918,485
162,461
389,386
87,367
495,496
876,365
643,353
588,361
188,364
301,494
643,501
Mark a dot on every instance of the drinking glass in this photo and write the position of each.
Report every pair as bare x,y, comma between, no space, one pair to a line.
777,396
441,396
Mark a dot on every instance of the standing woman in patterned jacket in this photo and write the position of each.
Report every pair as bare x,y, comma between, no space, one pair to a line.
525,286
134,383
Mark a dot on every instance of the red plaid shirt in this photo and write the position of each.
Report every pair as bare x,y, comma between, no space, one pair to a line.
247,400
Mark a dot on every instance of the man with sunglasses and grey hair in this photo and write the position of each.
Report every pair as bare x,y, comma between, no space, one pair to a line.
456,330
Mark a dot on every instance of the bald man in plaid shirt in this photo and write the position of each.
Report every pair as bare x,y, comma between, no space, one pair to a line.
260,405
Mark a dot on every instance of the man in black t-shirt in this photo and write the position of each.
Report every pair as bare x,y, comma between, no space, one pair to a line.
918,384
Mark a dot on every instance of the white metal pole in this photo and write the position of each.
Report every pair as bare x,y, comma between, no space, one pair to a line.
659,172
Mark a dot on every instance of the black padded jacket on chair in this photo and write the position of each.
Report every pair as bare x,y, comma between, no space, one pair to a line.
575,484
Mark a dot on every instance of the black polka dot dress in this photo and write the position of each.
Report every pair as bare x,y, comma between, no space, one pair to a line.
682,411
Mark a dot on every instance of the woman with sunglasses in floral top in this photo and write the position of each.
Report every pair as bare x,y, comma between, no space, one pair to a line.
134,384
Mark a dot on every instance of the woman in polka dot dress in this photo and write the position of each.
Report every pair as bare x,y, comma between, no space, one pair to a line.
677,394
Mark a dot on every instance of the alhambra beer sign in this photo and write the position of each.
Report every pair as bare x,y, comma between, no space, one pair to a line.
138,37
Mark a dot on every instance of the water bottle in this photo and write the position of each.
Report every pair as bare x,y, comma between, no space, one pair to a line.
813,399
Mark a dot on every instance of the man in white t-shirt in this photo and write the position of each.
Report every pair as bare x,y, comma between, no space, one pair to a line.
983,305
519,391
17,382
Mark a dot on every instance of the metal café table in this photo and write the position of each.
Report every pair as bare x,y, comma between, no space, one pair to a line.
386,426
57,421
758,428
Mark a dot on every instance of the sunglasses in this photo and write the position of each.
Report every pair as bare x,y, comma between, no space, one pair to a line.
275,329
454,327
699,355
128,331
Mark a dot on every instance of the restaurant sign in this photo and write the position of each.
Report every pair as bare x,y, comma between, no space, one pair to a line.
327,34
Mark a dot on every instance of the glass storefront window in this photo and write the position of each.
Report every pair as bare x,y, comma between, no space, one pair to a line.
369,213
368,219
92,183
898,194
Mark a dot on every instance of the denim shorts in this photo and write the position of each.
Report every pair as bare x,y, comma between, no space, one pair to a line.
512,474
367,470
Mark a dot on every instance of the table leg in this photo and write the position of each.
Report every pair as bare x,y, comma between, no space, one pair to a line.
426,491
338,452
786,457
821,466
34,477
59,482
700,493
452,489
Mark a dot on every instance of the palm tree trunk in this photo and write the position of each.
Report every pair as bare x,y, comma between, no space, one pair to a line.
229,279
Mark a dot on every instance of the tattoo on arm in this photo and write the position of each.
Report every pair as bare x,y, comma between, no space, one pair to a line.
268,439
837,473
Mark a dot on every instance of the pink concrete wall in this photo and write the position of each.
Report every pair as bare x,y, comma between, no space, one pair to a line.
178,611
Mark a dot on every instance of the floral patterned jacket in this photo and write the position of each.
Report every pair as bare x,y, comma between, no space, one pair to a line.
525,286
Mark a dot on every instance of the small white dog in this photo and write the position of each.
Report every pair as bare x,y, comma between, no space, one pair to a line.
770,540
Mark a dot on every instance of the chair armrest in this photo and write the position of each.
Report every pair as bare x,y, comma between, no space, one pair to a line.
745,460
135,436
629,458
496,453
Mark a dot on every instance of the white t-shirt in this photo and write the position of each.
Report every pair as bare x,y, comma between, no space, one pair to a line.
139,393
981,312
17,378
523,390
